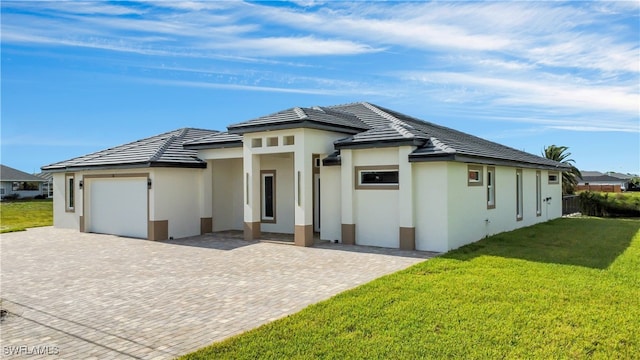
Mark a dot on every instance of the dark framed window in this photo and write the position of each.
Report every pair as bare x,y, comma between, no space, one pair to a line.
377,177
491,187
70,199
268,196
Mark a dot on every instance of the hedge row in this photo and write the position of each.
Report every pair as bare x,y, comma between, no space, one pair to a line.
609,205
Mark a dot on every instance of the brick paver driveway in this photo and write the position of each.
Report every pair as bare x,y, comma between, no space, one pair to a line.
76,295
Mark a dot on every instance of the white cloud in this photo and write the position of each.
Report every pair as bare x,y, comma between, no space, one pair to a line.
294,46
540,92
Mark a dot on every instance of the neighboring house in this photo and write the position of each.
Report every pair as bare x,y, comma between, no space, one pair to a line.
602,182
14,182
47,185
355,173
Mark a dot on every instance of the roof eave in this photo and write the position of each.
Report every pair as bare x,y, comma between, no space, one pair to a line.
379,143
213,145
201,165
241,130
482,160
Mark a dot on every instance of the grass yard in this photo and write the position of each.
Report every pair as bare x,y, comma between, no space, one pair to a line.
569,288
19,215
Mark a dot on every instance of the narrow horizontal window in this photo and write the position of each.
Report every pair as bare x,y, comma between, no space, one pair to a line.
288,140
256,143
377,177
272,141
554,178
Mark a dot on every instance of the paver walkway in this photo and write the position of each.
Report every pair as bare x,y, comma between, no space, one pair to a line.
73,295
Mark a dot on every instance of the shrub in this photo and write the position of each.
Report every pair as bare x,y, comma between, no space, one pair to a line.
607,205
11,197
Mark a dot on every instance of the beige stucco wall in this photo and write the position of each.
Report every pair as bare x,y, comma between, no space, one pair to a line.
282,164
375,212
176,196
226,198
61,218
431,189
469,219
331,209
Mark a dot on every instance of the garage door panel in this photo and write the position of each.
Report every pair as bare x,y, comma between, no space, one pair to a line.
119,207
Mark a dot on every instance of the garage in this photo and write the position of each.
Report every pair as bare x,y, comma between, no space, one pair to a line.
118,206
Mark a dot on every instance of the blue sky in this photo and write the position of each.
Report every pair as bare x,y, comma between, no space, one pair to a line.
80,77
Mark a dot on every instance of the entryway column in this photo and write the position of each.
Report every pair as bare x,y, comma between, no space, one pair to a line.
347,192
251,190
407,231
206,200
303,196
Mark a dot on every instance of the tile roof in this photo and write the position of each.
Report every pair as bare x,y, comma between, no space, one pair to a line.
164,150
434,142
10,174
217,140
301,117
602,178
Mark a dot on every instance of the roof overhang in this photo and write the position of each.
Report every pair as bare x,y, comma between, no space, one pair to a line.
308,124
157,164
379,143
483,160
214,145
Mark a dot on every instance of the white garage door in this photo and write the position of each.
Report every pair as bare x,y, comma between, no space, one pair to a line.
118,206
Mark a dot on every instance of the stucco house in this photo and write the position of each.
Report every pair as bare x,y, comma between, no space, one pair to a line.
356,173
594,181
14,182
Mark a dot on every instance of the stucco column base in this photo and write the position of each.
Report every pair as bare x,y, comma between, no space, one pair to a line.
407,238
206,225
349,234
158,230
82,224
303,235
252,231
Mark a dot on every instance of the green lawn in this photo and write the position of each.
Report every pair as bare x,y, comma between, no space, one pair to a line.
19,215
569,288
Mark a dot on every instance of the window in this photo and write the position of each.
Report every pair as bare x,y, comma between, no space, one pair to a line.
69,192
538,193
288,140
491,188
1,191
256,143
519,194
268,196
272,141
377,177
474,175
554,178
25,186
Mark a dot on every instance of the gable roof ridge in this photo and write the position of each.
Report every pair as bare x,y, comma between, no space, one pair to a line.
397,124
442,146
301,114
158,154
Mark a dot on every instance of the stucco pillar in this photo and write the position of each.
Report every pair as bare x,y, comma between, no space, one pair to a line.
251,190
347,192
206,199
303,196
407,231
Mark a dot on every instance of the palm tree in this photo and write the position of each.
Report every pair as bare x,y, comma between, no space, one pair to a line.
569,178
